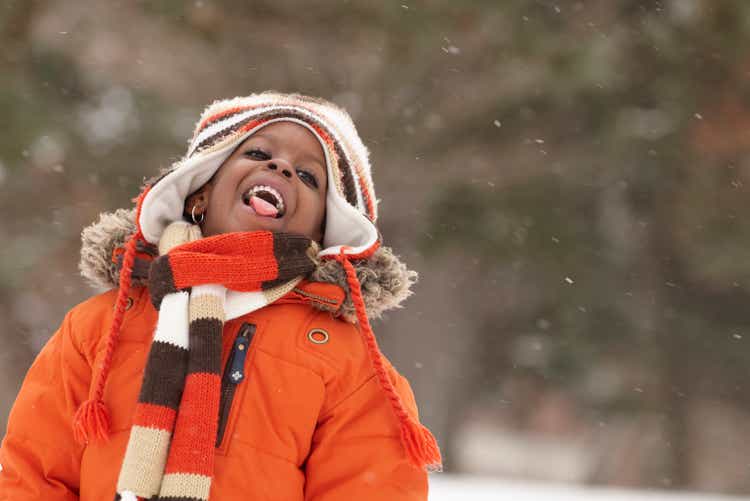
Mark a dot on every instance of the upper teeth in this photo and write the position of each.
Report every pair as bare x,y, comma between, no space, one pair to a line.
262,187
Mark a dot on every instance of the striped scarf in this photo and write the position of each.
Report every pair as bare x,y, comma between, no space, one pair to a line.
170,453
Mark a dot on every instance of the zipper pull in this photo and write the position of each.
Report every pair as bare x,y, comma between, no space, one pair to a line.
240,349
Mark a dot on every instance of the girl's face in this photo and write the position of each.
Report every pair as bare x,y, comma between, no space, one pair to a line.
284,156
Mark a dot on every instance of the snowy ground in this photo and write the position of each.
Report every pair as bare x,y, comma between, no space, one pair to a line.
458,488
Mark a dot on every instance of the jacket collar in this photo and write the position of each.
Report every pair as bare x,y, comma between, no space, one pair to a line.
385,280
322,295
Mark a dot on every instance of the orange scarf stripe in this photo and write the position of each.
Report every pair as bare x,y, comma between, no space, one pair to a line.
186,274
227,243
190,451
154,416
192,264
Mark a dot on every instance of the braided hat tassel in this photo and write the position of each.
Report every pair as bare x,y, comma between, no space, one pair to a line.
92,420
419,443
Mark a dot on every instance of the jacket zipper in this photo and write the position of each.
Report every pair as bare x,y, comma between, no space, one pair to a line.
234,374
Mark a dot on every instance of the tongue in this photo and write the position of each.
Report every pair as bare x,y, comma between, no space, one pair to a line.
262,207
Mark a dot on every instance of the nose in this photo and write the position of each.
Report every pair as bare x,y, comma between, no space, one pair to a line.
282,165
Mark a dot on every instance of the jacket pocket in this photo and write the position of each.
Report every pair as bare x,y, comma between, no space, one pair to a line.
281,404
234,374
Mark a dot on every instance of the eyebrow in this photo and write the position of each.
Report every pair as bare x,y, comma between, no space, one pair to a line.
308,156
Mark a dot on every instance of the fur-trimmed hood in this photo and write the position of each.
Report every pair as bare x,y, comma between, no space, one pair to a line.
385,280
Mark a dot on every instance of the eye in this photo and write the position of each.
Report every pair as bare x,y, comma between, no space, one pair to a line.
257,154
307,178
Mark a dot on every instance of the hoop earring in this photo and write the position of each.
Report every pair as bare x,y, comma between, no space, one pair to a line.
202,215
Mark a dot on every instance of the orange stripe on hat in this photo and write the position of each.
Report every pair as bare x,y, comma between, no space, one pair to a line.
217,116
252,124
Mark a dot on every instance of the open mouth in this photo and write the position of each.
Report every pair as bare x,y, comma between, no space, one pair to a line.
265,201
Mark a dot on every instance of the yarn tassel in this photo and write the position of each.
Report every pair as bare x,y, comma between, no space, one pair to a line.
418,442
420,445
92,420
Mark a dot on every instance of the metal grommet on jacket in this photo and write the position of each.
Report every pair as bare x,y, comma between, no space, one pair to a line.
318,336
129,303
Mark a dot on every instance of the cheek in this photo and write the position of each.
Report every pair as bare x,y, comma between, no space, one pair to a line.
224,190
315,209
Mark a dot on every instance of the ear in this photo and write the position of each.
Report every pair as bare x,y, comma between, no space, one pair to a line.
198,199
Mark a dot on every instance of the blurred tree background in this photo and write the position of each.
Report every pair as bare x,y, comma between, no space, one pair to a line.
568,177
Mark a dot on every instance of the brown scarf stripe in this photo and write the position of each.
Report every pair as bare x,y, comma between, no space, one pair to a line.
147,248
140,267
270,284
145,254
164,376
140,248
204,334
292,253
160,280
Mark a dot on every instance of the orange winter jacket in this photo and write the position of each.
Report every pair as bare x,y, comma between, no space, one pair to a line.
308,421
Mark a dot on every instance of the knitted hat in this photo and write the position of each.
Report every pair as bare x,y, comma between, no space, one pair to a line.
350,231
351,208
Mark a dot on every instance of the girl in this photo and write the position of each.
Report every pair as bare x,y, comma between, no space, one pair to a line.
234,359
